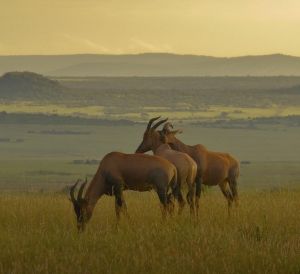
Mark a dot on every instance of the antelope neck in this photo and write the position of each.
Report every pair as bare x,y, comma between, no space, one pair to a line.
181,146
160,147
93,191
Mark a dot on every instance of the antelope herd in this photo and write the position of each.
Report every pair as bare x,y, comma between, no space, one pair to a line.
173,165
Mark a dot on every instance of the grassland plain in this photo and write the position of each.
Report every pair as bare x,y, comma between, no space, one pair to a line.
38,235
57,175
46,161
267,144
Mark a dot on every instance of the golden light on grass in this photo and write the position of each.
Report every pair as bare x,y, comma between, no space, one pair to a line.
38,235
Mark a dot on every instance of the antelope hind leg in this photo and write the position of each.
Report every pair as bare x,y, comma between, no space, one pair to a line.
225,188
233,188
124,207
191,201
181,202
198,184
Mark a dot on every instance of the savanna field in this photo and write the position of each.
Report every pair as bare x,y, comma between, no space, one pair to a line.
38,235
38,228
89,89
46,145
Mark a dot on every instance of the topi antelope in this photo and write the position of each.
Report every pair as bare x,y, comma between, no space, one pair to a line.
214,168
119,171
185,165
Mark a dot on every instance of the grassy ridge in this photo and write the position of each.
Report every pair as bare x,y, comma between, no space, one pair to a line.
38,236
140,98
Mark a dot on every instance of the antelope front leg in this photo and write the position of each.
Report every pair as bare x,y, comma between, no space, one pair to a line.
118,200
162,195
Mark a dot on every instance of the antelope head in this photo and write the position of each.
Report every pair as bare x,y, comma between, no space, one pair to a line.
168,134
150,135
168,129
80,206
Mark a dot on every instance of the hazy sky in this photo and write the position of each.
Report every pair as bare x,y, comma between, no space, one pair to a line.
205,27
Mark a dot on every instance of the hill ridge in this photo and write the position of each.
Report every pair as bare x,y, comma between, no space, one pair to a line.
153,64
27,85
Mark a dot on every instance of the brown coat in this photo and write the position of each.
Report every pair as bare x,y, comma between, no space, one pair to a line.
119,171
213,168
185,165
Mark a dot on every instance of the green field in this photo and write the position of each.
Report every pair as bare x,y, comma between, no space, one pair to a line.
141,113
38,235
45,161
270,143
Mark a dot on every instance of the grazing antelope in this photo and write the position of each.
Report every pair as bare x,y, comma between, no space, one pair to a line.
185,165
214,168
119,171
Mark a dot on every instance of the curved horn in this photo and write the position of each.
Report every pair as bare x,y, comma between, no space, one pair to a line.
72,190
167,127
79,196
159,123
151,121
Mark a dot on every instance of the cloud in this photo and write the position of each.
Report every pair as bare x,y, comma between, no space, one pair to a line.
135,45
139,45
94,45
85,42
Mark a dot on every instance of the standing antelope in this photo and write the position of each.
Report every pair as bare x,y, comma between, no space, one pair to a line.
214,168
119,171
185,165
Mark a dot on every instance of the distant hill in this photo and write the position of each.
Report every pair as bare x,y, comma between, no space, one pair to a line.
153,64
53,119
28,86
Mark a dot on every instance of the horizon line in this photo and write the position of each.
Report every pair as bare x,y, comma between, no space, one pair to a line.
149,53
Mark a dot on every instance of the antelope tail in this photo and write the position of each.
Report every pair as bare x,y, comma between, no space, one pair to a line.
198,186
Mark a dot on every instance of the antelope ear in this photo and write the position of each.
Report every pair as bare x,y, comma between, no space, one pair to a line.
167,127
178,131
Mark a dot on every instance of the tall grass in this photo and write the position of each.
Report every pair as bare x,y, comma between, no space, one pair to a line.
38,235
